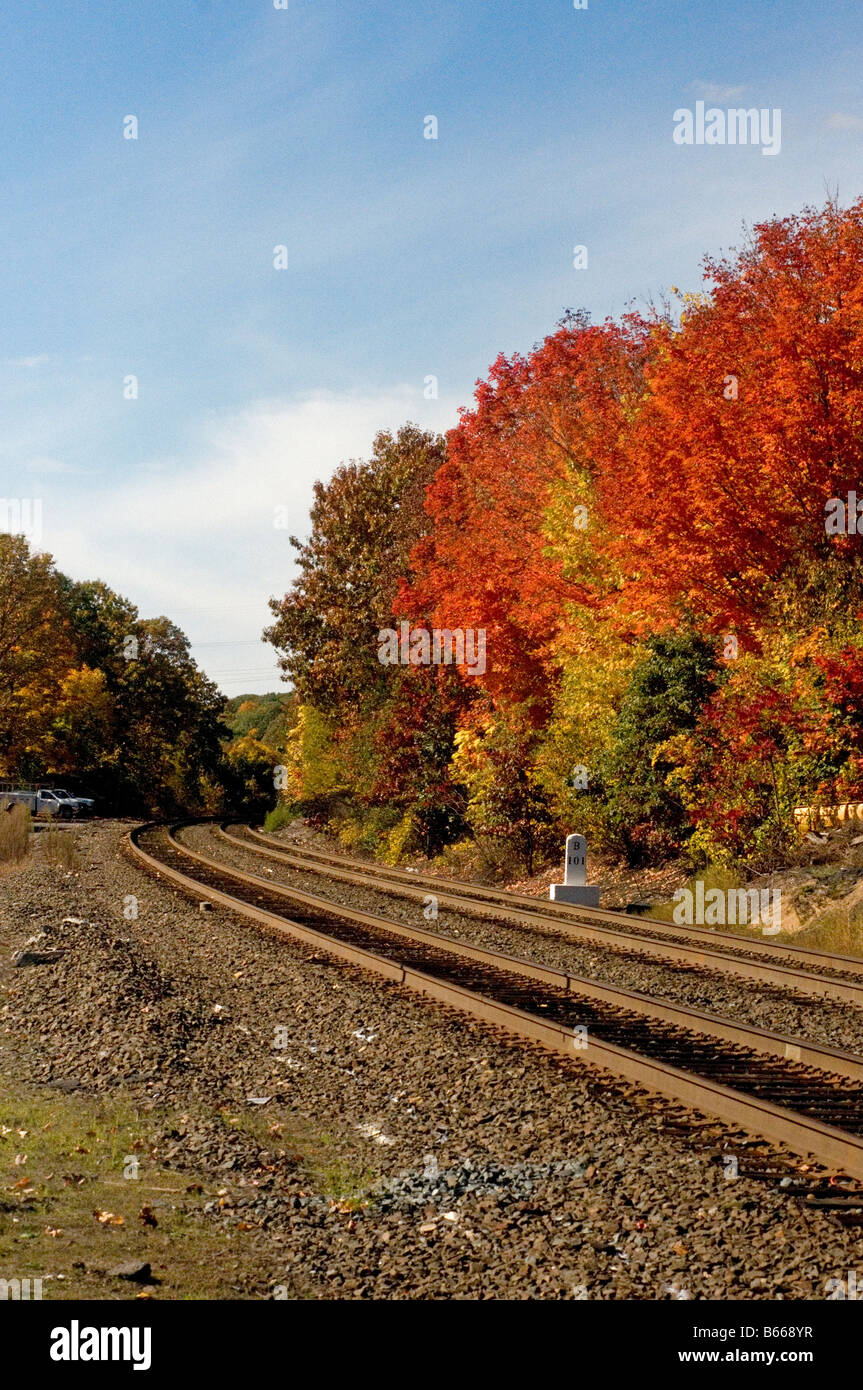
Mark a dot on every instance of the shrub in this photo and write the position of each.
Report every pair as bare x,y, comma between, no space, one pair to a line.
280,817
643,817
58,847
15,826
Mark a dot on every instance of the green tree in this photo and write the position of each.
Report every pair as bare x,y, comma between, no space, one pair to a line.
164,750
667,690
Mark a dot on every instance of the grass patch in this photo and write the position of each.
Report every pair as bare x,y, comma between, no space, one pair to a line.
70,1207
344,1182
327,1169
836,929
715,876
337,1174
58,847
15,827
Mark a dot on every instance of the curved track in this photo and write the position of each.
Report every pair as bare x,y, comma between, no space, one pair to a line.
805,1096
818,973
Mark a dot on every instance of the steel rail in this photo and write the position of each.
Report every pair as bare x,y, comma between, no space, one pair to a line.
802,1133
837,1061
556,913
501,906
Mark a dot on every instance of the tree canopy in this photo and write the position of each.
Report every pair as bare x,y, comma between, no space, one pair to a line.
637,514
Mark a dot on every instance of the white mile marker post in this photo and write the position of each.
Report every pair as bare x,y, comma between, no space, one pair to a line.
574,888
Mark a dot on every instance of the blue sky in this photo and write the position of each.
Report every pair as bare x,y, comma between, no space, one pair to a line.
407,257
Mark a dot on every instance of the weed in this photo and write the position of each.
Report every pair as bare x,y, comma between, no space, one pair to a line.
15,826
280,817
838,930
58,847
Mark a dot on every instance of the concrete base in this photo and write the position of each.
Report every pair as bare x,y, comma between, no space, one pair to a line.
567,893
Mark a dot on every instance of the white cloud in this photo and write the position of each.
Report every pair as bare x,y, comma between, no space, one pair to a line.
195,538
842,120
713,91
39,466
39,360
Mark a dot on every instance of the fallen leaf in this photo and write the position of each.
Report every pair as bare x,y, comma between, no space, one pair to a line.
107,1218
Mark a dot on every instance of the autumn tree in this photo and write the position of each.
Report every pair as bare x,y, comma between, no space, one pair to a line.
383,731
749,425
534,439
654,523
92,693
171,727
364,523
505,801
36,655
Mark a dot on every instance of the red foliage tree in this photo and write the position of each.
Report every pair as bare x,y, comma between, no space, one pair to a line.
751,421
486,562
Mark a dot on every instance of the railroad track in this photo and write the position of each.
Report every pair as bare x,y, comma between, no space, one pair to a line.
817,973
800,1094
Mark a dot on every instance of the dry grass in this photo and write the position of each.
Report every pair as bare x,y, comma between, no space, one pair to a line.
712,877
15,827
837,929
58,847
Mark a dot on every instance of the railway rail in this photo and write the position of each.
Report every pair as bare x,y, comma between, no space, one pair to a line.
818,973
802,1095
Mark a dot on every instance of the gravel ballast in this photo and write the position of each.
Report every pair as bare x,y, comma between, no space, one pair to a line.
466,1164
831,1022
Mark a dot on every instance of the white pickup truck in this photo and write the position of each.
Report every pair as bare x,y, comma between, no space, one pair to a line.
84,804
44,802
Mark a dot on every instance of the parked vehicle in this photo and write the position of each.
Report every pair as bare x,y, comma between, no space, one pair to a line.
44,802
85,804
